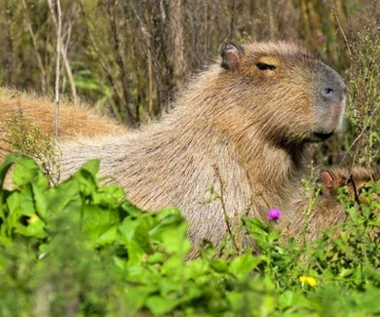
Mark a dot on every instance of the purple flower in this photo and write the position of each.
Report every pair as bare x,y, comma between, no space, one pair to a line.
274,214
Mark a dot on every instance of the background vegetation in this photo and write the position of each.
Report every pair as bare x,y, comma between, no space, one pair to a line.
129,58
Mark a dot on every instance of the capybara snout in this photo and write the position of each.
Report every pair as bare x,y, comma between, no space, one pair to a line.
330,92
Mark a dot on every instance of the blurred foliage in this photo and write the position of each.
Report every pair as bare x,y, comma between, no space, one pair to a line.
79,249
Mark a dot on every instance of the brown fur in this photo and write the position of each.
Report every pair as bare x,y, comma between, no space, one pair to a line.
354,180
74,120
327,211
242,128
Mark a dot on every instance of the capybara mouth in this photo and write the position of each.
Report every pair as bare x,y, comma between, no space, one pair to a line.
321,136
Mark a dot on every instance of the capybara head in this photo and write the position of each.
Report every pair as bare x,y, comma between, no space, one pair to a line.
352,179
285,91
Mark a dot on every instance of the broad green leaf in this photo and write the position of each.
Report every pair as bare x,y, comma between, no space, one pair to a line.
92,167
62,198
86,177
131,209
156,257
159,305
6,165
109,196
245,263
20,204
99,225
274,235
259,231
136,297
27,171
135,253
219,265
174,240
141,274
34,227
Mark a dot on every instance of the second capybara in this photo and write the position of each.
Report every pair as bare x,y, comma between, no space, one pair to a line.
235,143
353,180
327,211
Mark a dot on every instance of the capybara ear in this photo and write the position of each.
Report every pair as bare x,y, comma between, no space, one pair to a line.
326,178
231,55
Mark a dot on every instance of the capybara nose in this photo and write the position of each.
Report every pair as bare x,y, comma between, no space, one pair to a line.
333,94
331,89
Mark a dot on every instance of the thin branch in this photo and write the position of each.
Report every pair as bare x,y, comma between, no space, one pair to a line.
335,13
271,19
35,45
102,62
352,181
63,52
151,50
59,31
233,20
220,196
10,56
150,105
131,117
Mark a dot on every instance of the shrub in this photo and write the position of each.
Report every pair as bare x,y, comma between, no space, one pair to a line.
81,249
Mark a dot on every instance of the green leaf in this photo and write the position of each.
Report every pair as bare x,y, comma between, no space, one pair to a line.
34,228
92,167
6,165
99,225
86,177
259,231
156,257
245,263
135,235
63,198
219,265
159,305
174,240
135,298
27,171
108,196
131,209
274,235
20,204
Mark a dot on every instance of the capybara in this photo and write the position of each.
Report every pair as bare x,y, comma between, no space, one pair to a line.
235,143
327,211
74,120
352,179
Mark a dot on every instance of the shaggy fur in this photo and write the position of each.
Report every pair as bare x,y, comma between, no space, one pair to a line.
328,211
352,179
74,120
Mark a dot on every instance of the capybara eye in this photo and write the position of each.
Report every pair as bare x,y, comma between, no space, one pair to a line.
263,66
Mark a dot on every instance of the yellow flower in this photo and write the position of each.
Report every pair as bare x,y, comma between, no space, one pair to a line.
33,218
308,279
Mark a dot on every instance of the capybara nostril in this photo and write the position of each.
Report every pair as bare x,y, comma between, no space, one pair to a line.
328,93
